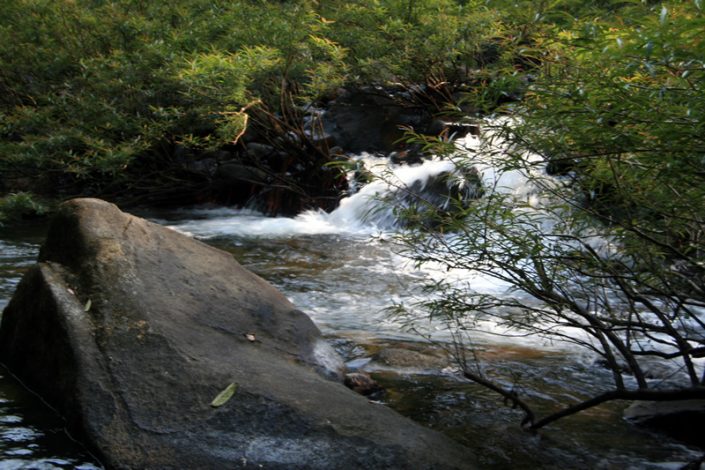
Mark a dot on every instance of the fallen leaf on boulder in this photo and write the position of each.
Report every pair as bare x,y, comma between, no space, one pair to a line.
223,397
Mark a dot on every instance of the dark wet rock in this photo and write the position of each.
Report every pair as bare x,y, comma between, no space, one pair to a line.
458,130
203,167
369,120
259,150
696,464
363,384
235,183
201,163
361,176
442,194
682,420
410,156
183,153
433,201
235,174
452,130
337,151
437,126
322,140
561,166
265,154
131,330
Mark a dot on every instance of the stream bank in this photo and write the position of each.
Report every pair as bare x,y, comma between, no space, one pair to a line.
342,269
343,281
283,164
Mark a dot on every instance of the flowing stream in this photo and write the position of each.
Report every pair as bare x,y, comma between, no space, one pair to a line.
342,268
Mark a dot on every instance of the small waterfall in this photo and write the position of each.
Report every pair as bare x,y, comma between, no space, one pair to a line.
344,269
372,206
372,209
366,212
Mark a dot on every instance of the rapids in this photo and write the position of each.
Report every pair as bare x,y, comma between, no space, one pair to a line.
343,269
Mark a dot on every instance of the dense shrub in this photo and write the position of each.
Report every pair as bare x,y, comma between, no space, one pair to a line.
89,87
608,254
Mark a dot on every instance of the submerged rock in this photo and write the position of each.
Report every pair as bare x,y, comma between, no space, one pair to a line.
132,330
437,199
408,358
446,189
679,419
363,384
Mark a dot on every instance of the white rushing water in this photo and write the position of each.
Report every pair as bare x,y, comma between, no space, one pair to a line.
354,270
362,213
343,268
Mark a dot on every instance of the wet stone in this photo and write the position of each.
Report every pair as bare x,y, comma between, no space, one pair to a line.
407,358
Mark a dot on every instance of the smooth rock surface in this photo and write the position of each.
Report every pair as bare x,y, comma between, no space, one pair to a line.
131,330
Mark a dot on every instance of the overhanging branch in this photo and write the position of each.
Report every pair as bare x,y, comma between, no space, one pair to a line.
693,393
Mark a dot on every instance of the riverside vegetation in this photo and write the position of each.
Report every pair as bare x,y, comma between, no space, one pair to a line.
113,99
610,241
99,98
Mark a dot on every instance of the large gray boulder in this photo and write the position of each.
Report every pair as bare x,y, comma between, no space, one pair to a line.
131,330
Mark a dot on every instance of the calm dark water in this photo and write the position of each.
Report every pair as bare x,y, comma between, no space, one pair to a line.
344,283
32,435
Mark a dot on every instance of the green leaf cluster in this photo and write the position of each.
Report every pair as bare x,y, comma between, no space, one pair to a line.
608,251
89,88
22,205
621,104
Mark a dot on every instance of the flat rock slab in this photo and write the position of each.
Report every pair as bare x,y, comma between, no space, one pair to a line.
131,330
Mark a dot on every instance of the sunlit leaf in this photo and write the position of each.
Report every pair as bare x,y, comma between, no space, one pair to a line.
223,397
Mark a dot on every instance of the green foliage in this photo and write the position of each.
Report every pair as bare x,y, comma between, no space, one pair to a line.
93,92
18,206
610,254
410,40
90,88
628,111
